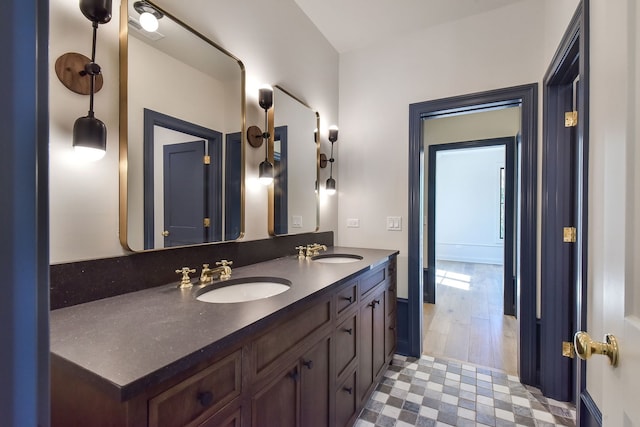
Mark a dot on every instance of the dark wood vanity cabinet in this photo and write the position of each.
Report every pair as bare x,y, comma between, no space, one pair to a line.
299,395
314,366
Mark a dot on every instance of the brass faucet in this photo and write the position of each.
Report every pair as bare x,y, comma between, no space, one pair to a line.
185,283
223,272
224,269
301,252
314,249
206,276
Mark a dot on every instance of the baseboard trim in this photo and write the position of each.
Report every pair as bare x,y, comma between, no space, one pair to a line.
402,319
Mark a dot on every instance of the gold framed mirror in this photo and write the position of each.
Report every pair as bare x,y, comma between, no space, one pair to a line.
182,125
294,203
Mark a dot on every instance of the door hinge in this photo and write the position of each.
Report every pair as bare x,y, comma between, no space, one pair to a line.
207,160
568,350
207,222
569,234
570,119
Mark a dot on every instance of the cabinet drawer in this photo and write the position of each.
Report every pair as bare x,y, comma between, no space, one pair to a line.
371,279
346,343
347,298
267,348
346,404
199,396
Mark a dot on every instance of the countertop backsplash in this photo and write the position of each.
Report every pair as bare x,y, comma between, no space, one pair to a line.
84,281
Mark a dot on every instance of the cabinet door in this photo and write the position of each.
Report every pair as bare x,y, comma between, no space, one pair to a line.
315,380
372,355
346,405
378,311
277,403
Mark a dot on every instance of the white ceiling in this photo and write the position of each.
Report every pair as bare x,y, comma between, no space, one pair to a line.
353,24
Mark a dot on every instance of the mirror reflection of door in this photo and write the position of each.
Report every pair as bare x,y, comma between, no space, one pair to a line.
184,194
281,189
183,183
232,186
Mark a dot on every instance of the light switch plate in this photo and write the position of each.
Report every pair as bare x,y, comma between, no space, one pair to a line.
296,221
394,223
353,223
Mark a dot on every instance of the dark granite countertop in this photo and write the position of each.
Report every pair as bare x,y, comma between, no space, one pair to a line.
129,342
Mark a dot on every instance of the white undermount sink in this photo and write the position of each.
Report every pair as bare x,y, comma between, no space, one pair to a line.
336,258
243,290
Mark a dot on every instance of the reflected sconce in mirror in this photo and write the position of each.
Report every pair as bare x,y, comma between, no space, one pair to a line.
330,186
149,16
83,76
256,137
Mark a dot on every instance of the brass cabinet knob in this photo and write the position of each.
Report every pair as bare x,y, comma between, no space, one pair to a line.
165,233
585,347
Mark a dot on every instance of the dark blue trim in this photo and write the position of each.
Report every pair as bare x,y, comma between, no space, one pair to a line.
24,222
233,186
402,307
214,138
509,307
527,95
281,183
563,305
589,413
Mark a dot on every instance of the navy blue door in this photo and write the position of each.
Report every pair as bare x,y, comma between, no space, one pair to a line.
281,179
184,194
233,186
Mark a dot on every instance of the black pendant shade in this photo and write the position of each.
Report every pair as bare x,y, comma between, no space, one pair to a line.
265,172
96,10
90,132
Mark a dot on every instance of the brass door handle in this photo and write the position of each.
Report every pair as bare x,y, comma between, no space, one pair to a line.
165,233
585,347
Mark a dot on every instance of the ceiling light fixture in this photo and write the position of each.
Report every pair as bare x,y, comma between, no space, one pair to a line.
149,15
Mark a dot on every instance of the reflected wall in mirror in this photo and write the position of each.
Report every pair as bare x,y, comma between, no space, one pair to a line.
181,124
294,204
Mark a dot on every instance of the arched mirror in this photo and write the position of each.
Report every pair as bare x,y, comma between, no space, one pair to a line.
294,204
182,120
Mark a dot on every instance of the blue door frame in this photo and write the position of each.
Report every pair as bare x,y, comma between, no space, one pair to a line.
527,97
509,294
213,176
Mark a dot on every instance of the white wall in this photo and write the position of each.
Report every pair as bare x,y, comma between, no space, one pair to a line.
505,47
468,205
467,127
84,197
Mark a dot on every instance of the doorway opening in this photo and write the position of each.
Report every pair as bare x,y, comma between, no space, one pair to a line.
471,241
525,218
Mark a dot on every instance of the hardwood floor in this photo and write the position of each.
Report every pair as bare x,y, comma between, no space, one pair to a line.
467,323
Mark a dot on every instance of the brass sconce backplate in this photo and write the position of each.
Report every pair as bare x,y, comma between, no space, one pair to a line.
70,71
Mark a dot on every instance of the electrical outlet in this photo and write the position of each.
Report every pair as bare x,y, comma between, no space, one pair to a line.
353,223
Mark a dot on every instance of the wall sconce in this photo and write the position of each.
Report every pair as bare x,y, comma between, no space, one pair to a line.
76,72
256,137
330,186
149,16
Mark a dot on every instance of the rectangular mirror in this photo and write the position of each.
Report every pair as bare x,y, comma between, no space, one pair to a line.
182,118
294,204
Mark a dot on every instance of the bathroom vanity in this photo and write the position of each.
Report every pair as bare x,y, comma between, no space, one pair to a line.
310,356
